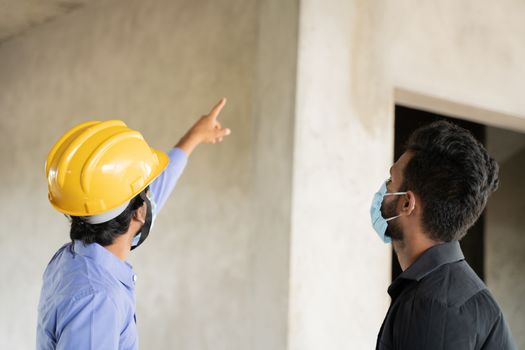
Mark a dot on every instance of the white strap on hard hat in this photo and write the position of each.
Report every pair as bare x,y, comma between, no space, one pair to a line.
106,216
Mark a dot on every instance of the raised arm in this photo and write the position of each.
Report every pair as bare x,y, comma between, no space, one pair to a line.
207,130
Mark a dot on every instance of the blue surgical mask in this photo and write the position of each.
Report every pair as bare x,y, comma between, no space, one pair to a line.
136,240
380,223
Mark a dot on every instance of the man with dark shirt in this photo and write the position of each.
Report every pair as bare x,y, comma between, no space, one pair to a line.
436,191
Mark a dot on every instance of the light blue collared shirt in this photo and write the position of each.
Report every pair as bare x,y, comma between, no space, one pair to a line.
88,294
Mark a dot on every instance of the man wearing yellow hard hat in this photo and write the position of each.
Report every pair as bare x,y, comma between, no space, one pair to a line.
107,180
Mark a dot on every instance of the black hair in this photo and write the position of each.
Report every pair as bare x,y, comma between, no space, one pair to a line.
453,174
106,232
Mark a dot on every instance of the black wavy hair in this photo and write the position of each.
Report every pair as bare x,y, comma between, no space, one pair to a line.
453,174
106,232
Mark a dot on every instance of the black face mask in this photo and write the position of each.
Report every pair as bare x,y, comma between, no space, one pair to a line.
144,231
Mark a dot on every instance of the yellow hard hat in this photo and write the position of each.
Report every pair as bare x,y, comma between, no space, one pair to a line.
97,167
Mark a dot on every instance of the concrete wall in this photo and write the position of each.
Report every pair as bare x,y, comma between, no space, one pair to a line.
504,239
274,97
158,65
356,60
459,51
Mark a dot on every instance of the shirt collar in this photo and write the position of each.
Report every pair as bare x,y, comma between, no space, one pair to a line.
121,270
429,261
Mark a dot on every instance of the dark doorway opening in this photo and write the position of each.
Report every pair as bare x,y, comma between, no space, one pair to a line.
406,121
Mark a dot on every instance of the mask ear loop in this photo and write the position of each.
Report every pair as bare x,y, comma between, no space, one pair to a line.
393,217
394,194
144,232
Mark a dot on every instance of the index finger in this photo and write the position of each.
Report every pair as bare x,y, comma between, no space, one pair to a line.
214,113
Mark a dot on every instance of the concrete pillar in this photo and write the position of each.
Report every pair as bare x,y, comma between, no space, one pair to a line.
342,151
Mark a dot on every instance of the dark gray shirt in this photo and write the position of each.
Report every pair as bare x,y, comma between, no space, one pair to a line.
440,303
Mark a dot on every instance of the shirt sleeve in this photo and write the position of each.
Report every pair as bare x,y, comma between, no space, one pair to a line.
164,184
89,322
500,337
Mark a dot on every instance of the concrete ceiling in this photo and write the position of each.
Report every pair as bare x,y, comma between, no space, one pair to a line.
18,16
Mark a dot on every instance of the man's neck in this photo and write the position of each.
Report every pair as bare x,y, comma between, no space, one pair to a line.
411,248
120,248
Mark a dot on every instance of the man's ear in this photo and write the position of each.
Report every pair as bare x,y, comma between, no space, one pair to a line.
140,213
409,203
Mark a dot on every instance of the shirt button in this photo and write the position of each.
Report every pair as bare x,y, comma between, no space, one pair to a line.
134,278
